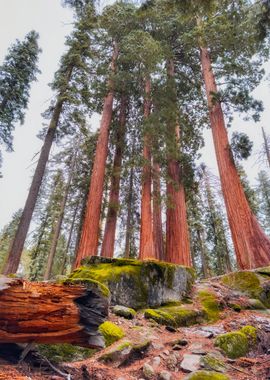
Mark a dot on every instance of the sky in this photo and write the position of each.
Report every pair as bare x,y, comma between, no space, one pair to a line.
53,23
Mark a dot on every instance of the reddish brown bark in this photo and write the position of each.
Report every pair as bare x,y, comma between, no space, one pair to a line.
90,231
146,233
157,216
177,233
107,249
252,246
50,313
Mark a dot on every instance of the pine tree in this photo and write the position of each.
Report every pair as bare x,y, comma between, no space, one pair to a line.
17,72
263,191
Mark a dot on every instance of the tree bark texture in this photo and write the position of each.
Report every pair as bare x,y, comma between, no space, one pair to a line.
157,215
129,211
107,249
266,147
177,233
91,226
252,246
17,245
50,313
146,233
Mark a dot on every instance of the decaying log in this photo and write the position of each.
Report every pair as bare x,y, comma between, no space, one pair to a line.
43,312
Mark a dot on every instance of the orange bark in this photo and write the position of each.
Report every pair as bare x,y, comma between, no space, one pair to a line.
177,233
252,246
107,249
90,231
157,216
146,233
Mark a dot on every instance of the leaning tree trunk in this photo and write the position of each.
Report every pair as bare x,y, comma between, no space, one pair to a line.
107,249
146,234
51,313
157,215
177,233
17,245
58,226
252,246
90,231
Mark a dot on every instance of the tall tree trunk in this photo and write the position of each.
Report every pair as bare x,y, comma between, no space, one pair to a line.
63,267
16,249
90,231
177,233
129,210
251,245
107,249
203,254
157,215
58,226
146,233
266,147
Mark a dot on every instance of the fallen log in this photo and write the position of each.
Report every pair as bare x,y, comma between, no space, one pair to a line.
43,312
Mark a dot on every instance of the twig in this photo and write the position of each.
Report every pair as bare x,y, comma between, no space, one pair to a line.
65,375
238,369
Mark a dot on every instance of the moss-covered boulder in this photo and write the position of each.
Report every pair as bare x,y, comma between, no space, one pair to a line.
210,304
237,343
254,284
213,362
206,375
175,316
123,311
138,284
111,332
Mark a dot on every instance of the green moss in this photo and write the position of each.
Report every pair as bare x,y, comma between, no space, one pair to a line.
125,312
213,363
246,282
235,306
251,334
205,375
233,344
78,277
173,316
210,304
110,332
59,353
116,353
255,304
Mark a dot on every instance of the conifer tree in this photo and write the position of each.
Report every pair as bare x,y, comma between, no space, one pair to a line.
263,191
17,72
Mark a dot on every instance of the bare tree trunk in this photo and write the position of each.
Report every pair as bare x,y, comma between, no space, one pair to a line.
107,249
203,254
146,233
69,239
129,211
16,249
266,147
58,226
90,231
252,246
177,233
157,215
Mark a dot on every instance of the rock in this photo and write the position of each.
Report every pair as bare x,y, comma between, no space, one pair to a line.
179,342
138,284
123,311
175,316
155,362
166,352
157,346
213,362
255,304
215,330
177,347
205,375
110,332
172,361
210,304
204,334
197,348
190,362
170,329
148,371
165,375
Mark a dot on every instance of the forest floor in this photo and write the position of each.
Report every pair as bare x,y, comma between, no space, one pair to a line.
162,352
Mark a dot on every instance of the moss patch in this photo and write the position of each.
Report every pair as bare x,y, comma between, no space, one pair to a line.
205,375
246,282
213,363
210,304
125,312
59,353
110,332
174,316
80,277
251,334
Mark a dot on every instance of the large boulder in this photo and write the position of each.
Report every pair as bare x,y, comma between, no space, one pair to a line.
138,284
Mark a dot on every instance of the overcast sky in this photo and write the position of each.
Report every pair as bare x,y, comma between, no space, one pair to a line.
53,23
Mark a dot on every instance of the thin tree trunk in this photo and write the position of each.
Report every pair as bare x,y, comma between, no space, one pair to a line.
15,252
90,231
177,233
69,239
252,246
58,226
157,215
107,249
203,254
146,233
266,147
129,210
